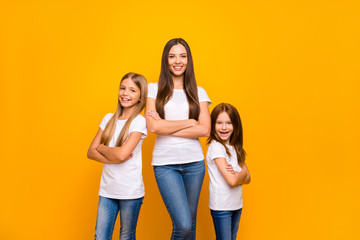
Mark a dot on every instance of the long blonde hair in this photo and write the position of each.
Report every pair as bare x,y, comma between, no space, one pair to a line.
109,130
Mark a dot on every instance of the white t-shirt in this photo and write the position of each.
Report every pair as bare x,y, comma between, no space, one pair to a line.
176,150
124,180
222,196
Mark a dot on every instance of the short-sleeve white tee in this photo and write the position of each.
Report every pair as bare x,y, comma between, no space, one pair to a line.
176,150
124,180
222,196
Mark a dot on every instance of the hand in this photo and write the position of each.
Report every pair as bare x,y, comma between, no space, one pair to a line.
154,115
194,122
229,168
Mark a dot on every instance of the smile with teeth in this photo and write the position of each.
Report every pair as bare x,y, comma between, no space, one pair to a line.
125,99
223,133
177,68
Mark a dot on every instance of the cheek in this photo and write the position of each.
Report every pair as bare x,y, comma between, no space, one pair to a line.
170,61
137,96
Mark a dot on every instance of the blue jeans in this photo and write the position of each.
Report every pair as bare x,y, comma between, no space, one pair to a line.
180,186
106,216
226,224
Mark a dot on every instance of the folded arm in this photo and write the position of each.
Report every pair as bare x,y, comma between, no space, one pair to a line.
231,177
161,126
93,153
122,153
202,129
105,154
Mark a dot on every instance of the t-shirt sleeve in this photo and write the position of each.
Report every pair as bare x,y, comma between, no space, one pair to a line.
217,150
152,90
203,97
139,125
105,120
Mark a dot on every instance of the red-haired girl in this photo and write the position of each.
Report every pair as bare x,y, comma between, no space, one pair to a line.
227,170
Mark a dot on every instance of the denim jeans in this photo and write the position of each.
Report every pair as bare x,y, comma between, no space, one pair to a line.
226,224
180,186
106,216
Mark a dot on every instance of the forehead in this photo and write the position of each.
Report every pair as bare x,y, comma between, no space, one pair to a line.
127,82
223,116
177,49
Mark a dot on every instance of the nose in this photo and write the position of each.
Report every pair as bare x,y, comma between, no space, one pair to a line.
177,60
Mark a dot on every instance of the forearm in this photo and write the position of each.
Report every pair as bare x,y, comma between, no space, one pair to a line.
167,127
202,129
193,132
113,154
93,154
247,179
241,177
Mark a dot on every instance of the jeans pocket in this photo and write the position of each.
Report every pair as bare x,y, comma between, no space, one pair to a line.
159,170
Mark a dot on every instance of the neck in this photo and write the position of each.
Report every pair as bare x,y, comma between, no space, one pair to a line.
178,81
127,112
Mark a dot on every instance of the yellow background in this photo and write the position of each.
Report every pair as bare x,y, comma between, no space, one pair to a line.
290,67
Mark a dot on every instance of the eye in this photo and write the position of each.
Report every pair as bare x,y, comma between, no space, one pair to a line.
122,88
171,56
133,90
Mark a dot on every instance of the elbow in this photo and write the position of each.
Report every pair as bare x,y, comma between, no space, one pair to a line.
152,129
232,182
206,132
89,154
120,158
248,181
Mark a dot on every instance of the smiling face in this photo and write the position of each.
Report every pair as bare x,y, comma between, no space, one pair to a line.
177,60
129,93
224,127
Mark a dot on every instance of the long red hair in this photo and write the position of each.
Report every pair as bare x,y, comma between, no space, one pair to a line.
236,138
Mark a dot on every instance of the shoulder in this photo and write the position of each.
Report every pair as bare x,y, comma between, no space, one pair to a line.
203,96
216,150
139,119
152,89
107,117
138,124
105,120
200,89
153,86
216,145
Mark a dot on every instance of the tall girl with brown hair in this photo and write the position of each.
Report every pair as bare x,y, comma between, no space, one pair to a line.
117,144
177,111
227,170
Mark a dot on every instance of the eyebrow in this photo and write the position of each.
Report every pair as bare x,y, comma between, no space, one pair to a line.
121,85
179,54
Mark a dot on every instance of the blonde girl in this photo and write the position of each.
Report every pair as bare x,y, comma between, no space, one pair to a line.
117,145
227,170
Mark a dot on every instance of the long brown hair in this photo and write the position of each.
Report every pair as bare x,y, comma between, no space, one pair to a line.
109,130
236,138
166,85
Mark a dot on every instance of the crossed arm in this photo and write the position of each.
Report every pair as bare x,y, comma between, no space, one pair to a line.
188,128
231,177
104,154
